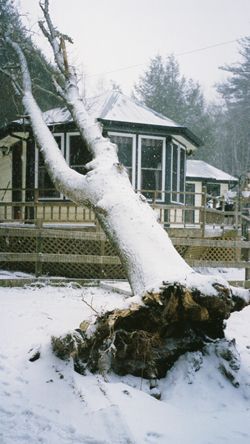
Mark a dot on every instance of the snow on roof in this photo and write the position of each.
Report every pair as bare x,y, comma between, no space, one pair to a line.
114,106
203,170
118,107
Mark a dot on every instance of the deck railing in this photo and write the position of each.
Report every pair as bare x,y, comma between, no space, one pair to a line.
27,206
32,240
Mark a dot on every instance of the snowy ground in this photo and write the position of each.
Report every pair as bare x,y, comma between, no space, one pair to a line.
47,402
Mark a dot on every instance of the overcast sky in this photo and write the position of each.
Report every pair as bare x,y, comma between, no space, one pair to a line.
112,36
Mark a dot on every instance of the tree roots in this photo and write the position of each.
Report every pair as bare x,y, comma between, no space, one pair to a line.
146,340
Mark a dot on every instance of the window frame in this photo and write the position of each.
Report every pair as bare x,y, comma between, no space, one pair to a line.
60,197
133,137
178,192
163,139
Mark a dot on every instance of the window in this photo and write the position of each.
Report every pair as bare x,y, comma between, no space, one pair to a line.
178,173
42,179
151,166
190,201
77,154
126,152
213,192
213,189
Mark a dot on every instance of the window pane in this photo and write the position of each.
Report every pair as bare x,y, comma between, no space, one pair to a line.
125,151
151,166
190,201
78,154
175,173
213,189
182,175
45,184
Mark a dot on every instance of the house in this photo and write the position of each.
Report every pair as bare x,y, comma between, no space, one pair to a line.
152,147
202,177
200,174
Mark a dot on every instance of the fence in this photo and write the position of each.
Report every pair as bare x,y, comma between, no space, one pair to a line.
29,207
89,255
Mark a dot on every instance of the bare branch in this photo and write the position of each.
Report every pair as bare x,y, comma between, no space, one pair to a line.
47,91
64,53
90,305
54,37
45,140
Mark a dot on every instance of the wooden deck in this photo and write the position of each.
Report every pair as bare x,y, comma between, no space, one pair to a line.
58,238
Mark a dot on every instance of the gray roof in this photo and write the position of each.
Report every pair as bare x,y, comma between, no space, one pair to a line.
114,106
202,170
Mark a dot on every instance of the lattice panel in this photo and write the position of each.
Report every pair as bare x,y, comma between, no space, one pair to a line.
18,244
72,270
109,250
3,244
70,246
181,249
25,267
113,272
219,254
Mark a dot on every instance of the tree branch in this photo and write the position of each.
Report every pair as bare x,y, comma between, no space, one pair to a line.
26,79
55,39
67,180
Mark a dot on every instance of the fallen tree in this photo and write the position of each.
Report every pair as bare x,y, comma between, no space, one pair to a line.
176,309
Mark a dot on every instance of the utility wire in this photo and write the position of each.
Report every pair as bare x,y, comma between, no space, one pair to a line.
192,51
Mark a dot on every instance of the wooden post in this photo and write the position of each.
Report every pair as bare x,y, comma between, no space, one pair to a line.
38,264
247,270
36,200
102,253
236,214
203,210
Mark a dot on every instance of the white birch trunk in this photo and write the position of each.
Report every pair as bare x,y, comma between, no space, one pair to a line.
129,222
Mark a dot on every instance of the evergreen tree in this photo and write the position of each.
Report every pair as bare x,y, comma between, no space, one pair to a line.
164,89
235,132
10,102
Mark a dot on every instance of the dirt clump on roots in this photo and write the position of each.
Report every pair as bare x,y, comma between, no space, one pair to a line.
146,340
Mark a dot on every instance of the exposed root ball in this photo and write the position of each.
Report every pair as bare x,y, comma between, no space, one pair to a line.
147,340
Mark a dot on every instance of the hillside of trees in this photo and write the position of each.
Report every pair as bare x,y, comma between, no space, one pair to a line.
10,101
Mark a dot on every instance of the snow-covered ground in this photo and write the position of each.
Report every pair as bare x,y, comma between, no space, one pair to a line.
46,402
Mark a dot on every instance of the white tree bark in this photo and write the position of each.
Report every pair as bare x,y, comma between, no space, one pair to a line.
142,244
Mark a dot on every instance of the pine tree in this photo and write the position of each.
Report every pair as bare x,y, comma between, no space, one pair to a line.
10,101
235,92
164,89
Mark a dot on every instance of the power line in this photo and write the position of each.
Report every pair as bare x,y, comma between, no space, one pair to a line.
192,51
208,47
